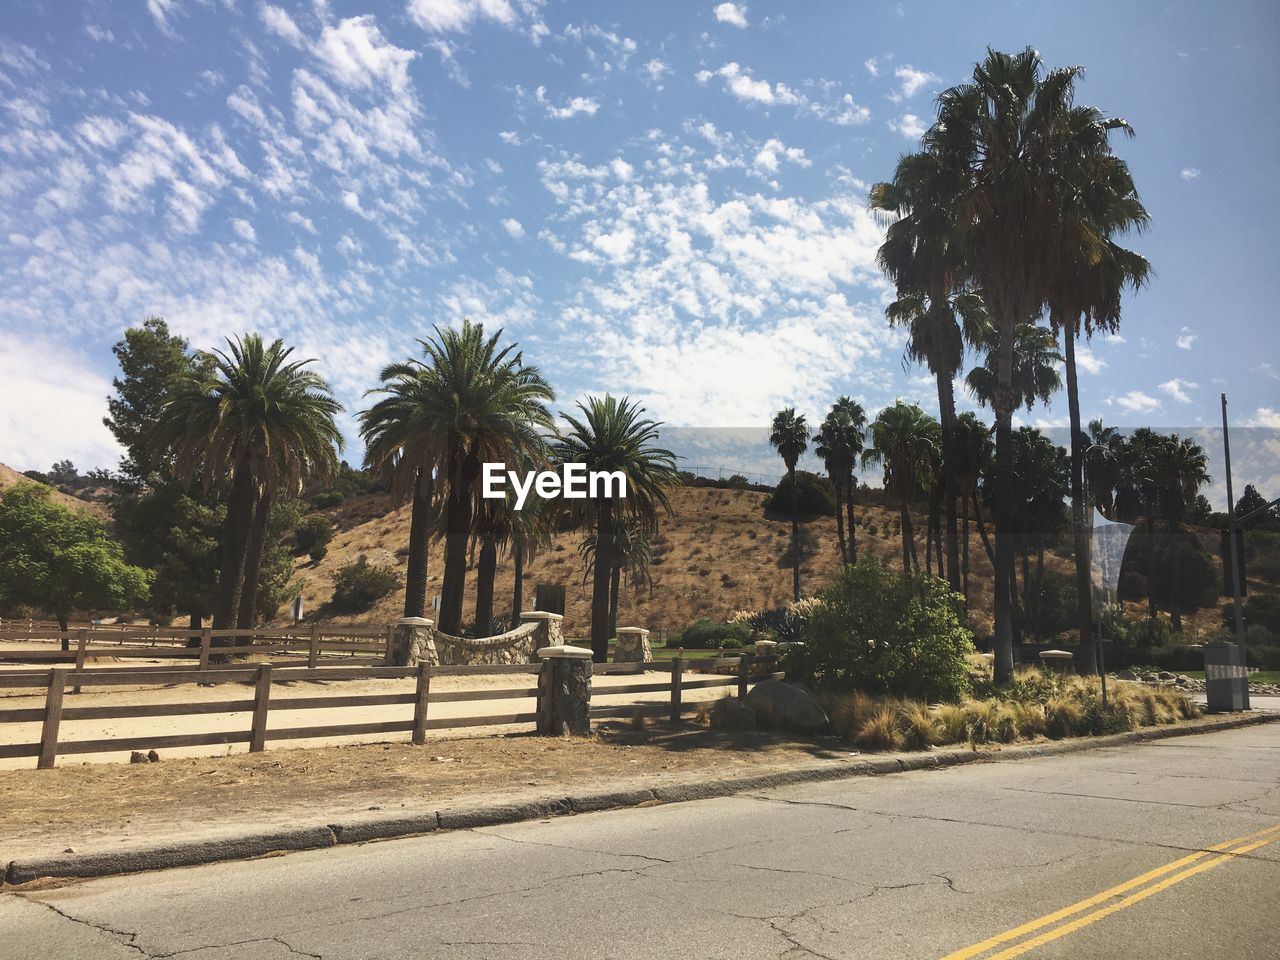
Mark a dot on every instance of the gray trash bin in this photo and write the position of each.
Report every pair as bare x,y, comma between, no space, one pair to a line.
1226,681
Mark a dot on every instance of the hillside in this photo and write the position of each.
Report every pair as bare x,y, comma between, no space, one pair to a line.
717,554
10,477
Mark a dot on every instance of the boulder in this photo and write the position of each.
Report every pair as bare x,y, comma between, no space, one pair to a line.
785,706
732,714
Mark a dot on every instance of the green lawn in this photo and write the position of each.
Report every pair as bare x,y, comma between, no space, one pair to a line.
1262,676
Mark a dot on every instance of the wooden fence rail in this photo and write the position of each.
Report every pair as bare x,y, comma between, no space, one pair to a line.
261,704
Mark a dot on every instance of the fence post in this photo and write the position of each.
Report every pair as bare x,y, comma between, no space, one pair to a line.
313,652
261,700
206,640
52,719
421,701
744,675
677,684
82,641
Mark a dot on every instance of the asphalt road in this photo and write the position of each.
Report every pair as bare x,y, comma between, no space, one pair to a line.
1102,854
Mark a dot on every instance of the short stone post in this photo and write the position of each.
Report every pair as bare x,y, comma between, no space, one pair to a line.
566,691
632,646
1056,661
550,632
415,642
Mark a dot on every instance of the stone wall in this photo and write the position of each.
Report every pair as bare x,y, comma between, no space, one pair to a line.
514,646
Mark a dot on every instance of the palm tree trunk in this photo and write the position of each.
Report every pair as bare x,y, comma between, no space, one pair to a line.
615,583
964,545
839,487
457,533
982,531
930,519
601,576
415,590
908,537
248,615
1003,497
947,416
486,571
1152,611
795,535
850,526
1080,526
517,592
235,543
1175,608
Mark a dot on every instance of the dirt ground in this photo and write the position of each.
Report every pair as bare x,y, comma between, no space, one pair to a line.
105,804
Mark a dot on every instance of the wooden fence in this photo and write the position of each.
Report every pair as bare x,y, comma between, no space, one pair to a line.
678,677
353,645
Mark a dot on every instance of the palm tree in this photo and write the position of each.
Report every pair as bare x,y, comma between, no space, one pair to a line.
854,437
612,434
632,554
974,452
1034,368
532,528
1102,465
1181,469
1006,138
253,424
789,435
922,254
839,441
470,400
905,441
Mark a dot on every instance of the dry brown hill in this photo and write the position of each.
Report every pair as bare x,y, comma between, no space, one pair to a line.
10,477
717,554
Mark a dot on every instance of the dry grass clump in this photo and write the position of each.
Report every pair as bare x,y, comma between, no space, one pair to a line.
918,726
1029,718
952,723
879,730
1064,717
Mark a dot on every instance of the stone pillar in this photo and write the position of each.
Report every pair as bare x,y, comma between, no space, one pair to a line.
550,632
565,686
415,642
632,646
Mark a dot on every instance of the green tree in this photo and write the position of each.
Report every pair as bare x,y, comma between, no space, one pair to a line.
905,441
612,434
789,435
57,562
150,358
254,424
468,401
1180,469
839,442
974,451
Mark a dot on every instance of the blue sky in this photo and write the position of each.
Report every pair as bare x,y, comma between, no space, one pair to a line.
661,199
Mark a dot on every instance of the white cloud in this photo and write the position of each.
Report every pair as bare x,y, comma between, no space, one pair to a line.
768,157
51,406
358,55
739,83
1190,173
1088,361
912,82
909,126
161,11
441,16
244,230
298,220
733,14
1177,389
1268,417
656,69
282,25
513,227
1135,401
98,34
1186,339
873,66
570,108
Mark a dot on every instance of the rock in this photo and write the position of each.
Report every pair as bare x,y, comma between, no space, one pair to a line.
137,756
1164,675
732,714
785,706
1126,675
153,757
1181,681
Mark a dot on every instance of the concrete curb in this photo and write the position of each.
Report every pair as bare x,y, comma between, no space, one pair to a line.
246,846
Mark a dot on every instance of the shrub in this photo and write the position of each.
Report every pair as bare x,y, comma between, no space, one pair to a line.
326,499
1178,657
1052,605
815,496
358,586
806,543
1263,656
1198,576
917,726
708,634
1064,717
877,631
879,731
1260,611
314,534
952,723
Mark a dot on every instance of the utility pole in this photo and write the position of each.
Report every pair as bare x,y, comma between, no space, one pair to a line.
1233,555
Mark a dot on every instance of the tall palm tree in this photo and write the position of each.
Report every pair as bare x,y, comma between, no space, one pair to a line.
1181,468
854,437
253,424
532,529
789,435
905,441
838,442
1102,465
922,254
612,434
1006,138
1034,367
469,400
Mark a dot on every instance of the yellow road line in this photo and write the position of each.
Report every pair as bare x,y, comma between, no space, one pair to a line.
1031,926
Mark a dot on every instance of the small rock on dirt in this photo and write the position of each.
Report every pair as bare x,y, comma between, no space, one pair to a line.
732,714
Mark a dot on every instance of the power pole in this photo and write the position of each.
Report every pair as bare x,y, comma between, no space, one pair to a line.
1233,555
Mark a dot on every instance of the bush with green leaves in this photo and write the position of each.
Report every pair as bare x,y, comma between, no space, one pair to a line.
358,586
708,634
1178,657
313,536
1260,610
886,634
815,496
1179,559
